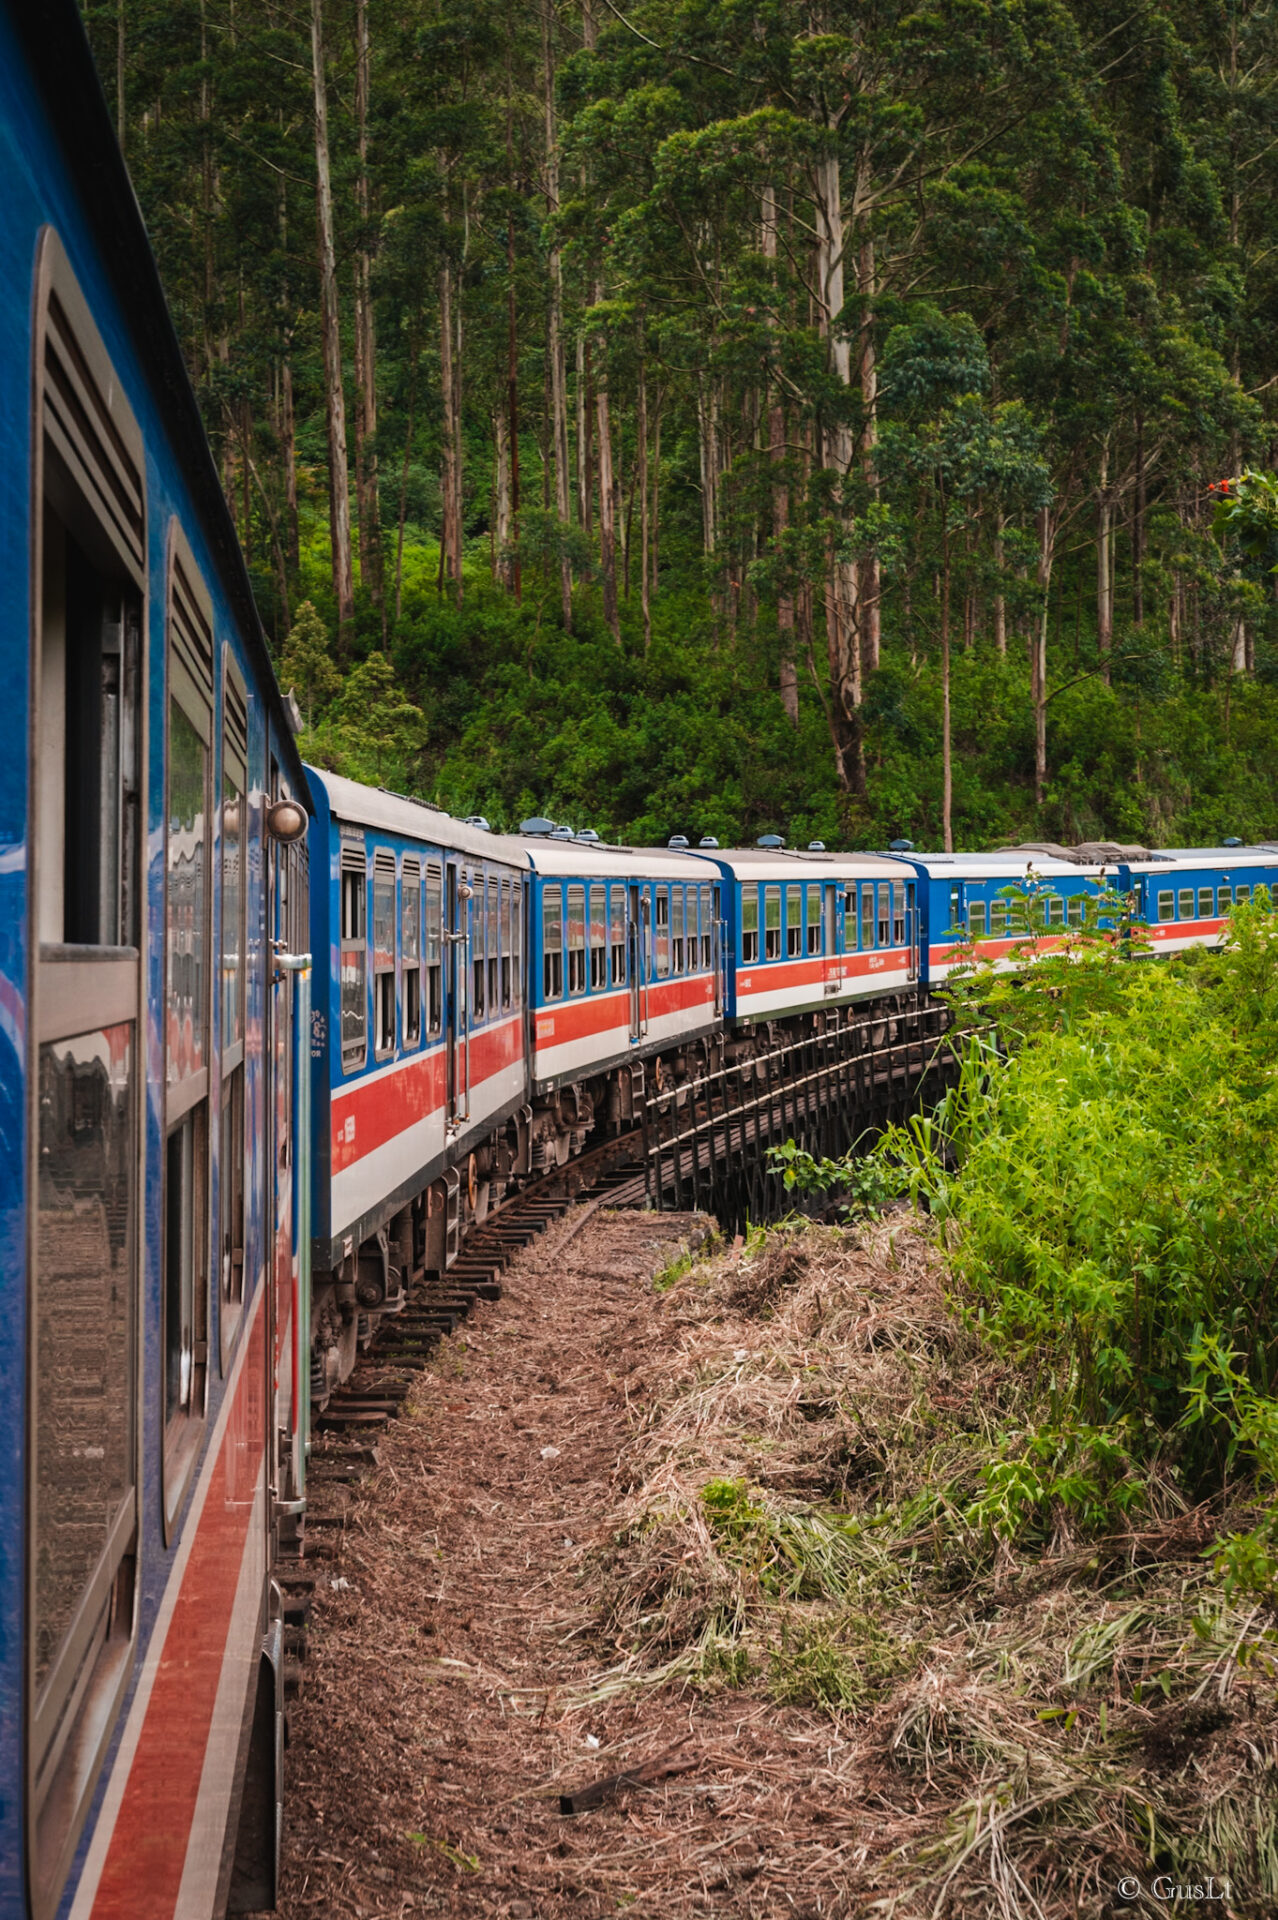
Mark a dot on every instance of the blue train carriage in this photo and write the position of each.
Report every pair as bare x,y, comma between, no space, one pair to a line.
965,896
149,1126
811,931
418,1049
1185,895
626,963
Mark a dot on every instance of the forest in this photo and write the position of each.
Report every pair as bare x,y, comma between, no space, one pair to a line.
723,416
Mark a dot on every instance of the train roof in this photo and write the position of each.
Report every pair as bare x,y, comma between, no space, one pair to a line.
802,863
595,860
1011,863
388,812
1187,859
57,52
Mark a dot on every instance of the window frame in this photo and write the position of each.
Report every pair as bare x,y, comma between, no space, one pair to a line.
575,963
749,925
661,932
976,918
597,924
868,924
773,937
385,959
1207,912
814,921
352,881
617,934
410,953
552,950
1184,912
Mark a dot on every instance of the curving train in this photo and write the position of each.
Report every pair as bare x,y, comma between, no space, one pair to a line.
271,1043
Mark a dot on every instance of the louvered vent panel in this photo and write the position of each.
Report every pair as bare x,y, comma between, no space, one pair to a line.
77,419
189,630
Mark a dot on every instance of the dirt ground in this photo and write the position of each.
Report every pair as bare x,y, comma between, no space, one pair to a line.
454,1690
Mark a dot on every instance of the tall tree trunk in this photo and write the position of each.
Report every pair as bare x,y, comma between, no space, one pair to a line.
504,559
1138,528
288,435
330,329
449,380
871,578
607,506
787,677
1000,603
708,461
555,322
403,477
947,745
585,436
370,532
1038,650
1104,564
514,575
842,608
641,462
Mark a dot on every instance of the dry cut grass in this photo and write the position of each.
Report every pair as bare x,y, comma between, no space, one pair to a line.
1023,1730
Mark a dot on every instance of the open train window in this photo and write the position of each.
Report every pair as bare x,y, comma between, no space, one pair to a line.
188,1005
478,941
617,935
87,1068
814,919
867,917
707,927
552,942
885,913
598,937
676,930
516,943
898,913
1185,903
383,954
231,1138
434,950
794,922
494,954
576,939
956,909
353,955
505,944
663,932
772,923
976,919
749,925
410,949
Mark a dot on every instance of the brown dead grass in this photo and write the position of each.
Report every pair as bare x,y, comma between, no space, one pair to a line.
885,1723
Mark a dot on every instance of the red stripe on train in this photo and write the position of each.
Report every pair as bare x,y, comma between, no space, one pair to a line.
775,976
560,1023
371,1112
147,1854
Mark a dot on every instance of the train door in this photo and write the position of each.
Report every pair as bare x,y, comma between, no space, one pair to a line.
637,943
911,932
832,972
287,1085
457,1010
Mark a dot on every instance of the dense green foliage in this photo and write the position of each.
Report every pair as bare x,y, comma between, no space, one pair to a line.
866,368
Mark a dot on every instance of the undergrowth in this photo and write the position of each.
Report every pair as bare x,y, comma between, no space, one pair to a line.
993,1481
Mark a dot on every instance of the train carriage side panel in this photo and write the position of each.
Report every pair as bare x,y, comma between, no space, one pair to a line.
1184,895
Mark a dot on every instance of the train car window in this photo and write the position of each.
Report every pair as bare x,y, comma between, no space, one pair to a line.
883,935
576,939
998,919
956,908
516,943
552,942
772,923
383,954
353,956
867,917
410,948
749,925
976,919
617,935
663,933
478,939
505,944
1242,895
1224,901
707,927
1074,909
1166,904
1205,903
598,937
814,919
793,922
85,1026
1055,910
434,949
676,930
898,913
231,1151
493,917
188,944
1185,903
